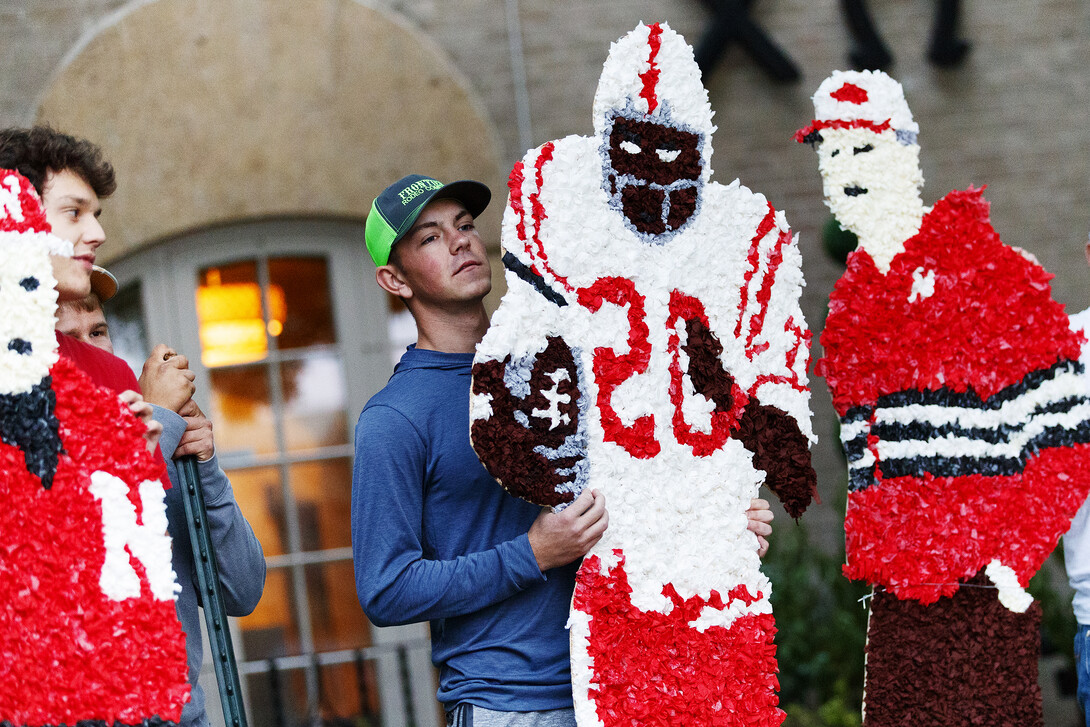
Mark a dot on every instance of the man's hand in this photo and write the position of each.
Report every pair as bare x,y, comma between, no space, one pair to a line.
198,433
166,379
558,538
142,411
760,523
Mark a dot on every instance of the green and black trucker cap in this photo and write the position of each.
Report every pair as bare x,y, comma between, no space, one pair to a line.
395,210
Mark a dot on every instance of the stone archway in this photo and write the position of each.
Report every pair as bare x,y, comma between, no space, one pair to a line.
214,111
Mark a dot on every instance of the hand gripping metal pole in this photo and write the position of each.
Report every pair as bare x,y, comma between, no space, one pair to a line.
208,588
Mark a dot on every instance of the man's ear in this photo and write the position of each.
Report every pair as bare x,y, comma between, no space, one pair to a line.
390,279
1088,253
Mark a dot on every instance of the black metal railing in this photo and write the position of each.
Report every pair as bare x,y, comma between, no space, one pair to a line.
336,688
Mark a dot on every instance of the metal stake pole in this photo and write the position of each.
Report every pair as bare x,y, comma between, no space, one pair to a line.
208,587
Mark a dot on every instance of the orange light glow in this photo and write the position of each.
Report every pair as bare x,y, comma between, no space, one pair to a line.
232,323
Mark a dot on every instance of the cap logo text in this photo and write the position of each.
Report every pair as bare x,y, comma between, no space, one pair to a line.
417,188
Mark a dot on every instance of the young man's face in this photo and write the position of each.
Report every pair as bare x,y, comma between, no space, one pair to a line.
83,325
72,209
442,258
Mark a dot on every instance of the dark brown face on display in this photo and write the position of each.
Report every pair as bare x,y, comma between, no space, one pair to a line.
650,157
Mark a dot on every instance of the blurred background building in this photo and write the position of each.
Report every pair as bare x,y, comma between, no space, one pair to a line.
250,136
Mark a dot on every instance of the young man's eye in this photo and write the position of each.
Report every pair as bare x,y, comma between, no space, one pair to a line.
630,147
835,152
863,149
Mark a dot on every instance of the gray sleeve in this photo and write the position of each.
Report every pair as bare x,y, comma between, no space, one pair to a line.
173,429
239,555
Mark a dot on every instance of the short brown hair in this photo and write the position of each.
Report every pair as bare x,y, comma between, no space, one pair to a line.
39,150
87,304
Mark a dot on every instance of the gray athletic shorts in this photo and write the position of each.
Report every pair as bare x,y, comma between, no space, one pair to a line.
468,715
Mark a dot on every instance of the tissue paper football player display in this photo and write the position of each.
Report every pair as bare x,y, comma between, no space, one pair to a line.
963,419
651,346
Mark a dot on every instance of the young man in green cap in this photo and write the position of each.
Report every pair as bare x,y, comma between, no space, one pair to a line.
434,536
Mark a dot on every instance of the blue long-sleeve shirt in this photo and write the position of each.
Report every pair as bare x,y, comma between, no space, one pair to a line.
435,538
239,556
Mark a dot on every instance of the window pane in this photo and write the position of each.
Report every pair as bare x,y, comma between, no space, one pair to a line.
261,499
271,630
125,315
401,329
242,411
335,610
314,402
349,692
308,310
276,698
230,313
323,491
